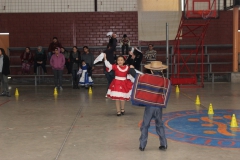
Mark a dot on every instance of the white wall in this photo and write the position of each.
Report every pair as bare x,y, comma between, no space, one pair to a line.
25,6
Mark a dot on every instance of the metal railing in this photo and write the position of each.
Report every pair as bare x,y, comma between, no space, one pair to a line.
96,50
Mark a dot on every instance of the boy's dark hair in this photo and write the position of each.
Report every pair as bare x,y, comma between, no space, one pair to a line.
54,38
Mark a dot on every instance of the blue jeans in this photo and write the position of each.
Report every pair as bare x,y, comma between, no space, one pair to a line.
149,114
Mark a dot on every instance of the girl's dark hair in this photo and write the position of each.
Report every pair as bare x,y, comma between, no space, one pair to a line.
27,48
119,57
3,51
85,47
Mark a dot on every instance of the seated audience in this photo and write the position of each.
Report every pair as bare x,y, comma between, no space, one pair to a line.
27,60
40,59
151,54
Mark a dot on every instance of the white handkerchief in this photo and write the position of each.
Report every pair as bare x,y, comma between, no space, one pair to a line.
139,72
99,58
131,78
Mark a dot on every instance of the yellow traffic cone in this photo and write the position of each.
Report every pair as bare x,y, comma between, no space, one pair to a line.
55,91
177,89
197,100
90,90
234,121
16,92
210,109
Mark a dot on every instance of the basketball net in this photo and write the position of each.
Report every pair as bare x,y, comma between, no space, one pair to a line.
207,13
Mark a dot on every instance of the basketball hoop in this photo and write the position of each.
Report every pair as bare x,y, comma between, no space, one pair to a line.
206,14
204,9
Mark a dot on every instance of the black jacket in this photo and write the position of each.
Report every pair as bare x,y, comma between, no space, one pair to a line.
40,57
6,66
113,43
73,60
136,62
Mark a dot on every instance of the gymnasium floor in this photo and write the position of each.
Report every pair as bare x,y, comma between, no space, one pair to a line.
77,125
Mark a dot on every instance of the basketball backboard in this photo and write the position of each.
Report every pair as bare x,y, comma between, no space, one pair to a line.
201,9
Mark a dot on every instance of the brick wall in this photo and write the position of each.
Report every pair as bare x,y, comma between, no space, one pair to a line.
32,29
90,28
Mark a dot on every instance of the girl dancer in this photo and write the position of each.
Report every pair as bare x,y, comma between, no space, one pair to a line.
120,87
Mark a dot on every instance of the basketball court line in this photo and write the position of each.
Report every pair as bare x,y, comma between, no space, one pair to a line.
1,104
69,131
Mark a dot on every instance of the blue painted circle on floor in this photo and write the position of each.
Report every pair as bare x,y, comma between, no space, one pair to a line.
197,127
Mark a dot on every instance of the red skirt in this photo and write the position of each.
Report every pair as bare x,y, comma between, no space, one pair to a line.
120,89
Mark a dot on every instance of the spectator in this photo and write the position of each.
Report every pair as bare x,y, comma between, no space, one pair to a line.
110,56
75,60
40,59
89,59
135,58
67,59
27,60
4,72
57,62
125,43
151,54
112,40
55,43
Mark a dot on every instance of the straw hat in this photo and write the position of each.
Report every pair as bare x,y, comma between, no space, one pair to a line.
155,65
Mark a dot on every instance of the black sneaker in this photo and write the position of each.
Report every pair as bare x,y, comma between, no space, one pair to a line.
141,148
163,148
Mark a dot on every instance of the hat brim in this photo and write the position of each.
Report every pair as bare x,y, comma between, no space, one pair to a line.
148,66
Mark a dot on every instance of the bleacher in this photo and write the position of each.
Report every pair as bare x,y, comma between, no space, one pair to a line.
217,64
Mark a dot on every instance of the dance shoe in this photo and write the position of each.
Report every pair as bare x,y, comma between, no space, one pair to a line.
163,148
